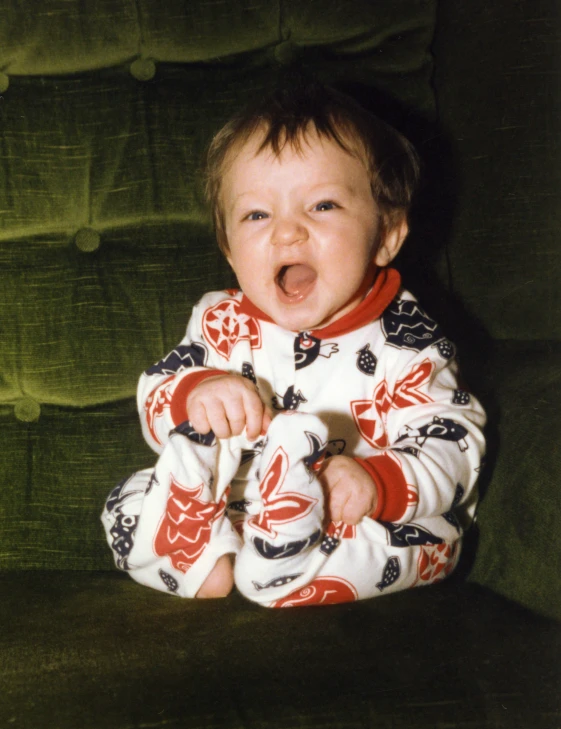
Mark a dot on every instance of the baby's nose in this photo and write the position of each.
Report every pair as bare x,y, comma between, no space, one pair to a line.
289,230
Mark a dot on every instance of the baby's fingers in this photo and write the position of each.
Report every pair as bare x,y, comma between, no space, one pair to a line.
338,500
198,418
218,419
267,418
255,414
358,506
352,513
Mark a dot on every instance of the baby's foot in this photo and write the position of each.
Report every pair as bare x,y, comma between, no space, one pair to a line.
292,513
278,553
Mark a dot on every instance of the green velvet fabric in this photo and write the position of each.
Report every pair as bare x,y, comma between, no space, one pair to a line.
501,169
520,511
499,102
97,651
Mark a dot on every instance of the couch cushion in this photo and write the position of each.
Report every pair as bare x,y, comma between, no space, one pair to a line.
519,516
61,466
100,652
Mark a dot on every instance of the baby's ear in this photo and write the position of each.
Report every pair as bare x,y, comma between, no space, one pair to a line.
391,242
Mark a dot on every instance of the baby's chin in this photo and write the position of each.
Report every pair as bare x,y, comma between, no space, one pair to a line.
297,319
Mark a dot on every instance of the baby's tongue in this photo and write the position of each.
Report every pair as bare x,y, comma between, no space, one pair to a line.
297,280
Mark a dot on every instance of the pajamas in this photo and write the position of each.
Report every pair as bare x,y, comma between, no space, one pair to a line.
378,385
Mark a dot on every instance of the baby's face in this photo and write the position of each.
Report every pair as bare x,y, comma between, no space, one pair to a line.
301,230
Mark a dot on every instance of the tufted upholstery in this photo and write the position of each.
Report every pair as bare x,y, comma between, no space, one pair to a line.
105,244
104,240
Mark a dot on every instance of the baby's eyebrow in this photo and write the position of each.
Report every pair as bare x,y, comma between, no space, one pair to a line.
341,185
245,193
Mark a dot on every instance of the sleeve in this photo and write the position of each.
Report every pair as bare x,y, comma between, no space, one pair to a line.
431,445
163,388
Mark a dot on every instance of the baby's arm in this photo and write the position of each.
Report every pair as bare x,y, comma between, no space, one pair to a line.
434,441
163,389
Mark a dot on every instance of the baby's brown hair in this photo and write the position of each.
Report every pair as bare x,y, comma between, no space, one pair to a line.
287,115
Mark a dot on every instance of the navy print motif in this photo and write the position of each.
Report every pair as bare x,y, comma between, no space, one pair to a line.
450,516
114,497
239,507
153,482
329,545
442,428
269,551
182,357
461,397
392,573
186,429
408,449
122,533
409,535
335,447
290,400
314,461
366,361
307,349
170,582
446,349
277,582
251,453
124,527
407,326
248,372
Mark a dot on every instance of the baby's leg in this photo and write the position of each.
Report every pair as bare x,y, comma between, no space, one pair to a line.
287,559
280,551
361,562
167,527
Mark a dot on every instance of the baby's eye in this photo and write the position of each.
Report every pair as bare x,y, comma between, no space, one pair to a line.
256,215
325,205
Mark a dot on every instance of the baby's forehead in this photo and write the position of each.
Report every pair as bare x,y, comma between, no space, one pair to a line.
306,143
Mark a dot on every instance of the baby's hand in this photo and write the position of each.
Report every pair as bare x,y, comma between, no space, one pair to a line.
351,493
226,404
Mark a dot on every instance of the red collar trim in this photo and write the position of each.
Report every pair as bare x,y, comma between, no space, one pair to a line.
386,284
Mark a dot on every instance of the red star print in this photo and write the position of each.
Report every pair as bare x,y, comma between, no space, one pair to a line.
156,403
370,415
436,562
224,326
279,507
184,530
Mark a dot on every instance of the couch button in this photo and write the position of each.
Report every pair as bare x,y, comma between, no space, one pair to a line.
4,82
87,240
143,69
27,410
285,52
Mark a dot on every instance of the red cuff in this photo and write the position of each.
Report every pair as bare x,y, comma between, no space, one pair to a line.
178,406
391,486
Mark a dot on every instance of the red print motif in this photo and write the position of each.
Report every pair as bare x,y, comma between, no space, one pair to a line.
370,415
436,562
184,530
412,496
156,403
322,591
279,508
224,326
340,530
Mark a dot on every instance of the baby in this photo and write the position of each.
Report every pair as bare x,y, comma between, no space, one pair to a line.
314,443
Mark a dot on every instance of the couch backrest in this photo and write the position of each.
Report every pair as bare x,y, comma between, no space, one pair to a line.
498,73
105,244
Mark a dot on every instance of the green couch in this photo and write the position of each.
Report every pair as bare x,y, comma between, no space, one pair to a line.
105,244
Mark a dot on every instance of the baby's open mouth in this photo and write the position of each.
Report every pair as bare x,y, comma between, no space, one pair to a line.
296,281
